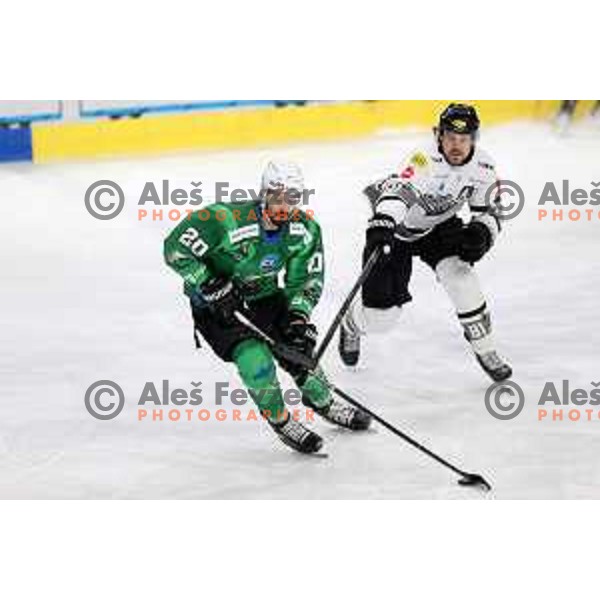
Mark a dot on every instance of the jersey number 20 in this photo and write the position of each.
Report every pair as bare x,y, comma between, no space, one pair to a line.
191,239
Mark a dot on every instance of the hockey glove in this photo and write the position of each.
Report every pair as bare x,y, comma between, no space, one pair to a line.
380,231
300,334
222,298
476,241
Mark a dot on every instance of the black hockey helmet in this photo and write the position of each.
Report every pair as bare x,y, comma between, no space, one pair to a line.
459,118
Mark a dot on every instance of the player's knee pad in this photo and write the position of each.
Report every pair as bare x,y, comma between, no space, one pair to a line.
461,283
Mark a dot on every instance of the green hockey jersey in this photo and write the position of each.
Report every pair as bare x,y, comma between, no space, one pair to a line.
230,240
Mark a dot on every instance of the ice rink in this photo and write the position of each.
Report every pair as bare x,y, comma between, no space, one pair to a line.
86,300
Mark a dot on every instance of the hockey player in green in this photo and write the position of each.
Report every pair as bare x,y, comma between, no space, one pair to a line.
264,259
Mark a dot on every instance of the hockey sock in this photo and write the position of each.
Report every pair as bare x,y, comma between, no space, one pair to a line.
462,286
256,367
477,326
314,388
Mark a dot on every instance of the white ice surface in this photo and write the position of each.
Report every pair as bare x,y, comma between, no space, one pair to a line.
84,300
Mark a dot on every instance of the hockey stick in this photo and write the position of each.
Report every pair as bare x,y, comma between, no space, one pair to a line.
467,479
373,258
282,350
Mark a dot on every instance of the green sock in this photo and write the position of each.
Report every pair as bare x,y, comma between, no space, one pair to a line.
257,369
315,389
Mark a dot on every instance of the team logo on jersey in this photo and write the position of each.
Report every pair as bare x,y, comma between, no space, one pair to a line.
419,159
300,229
269,263
297,229
243,233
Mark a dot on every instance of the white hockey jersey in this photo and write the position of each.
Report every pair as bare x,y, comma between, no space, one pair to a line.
427,191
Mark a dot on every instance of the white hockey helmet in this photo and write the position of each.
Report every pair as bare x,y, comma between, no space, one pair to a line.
282,175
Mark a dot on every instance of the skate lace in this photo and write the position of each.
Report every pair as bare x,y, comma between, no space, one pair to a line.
341,412
351,337
492,361
294,430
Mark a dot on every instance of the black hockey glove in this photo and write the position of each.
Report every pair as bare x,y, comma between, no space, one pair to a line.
301,336
223,299
299,333
380,231
476,241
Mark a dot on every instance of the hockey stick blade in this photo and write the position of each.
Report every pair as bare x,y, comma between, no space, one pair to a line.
474,480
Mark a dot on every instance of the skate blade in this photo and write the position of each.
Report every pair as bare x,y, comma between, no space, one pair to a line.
340,429
319,455
302,455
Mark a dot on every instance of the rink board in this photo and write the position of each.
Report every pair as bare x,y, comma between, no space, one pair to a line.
258,127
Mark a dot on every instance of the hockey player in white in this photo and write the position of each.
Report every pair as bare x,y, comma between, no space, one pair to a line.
415,214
